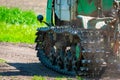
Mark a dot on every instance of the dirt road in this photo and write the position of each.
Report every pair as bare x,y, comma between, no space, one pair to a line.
22,64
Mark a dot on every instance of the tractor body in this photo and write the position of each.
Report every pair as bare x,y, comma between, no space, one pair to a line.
81,36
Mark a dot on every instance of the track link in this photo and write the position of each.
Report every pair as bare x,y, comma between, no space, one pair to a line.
73,51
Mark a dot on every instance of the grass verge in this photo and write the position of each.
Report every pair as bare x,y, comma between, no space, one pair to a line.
17,33
18,26
17,16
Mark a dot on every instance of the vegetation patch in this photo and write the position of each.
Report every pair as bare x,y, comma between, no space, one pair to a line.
2,61
17,33
17,16
18,26
38,78
58,78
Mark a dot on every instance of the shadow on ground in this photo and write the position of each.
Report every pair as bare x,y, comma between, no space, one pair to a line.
28,69
32,69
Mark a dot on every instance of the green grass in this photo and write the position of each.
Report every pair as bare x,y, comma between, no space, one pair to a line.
17,33
2,61
58,78
38,78
17,16
18,26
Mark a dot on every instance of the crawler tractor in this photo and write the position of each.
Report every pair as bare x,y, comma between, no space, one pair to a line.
81,37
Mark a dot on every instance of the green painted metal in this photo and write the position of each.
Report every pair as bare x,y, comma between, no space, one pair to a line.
49,12
107,4
84,7
78,50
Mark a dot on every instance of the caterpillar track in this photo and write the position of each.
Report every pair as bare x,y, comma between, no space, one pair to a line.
75,51
82,37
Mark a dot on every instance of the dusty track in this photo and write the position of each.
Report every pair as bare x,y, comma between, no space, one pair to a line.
22,64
